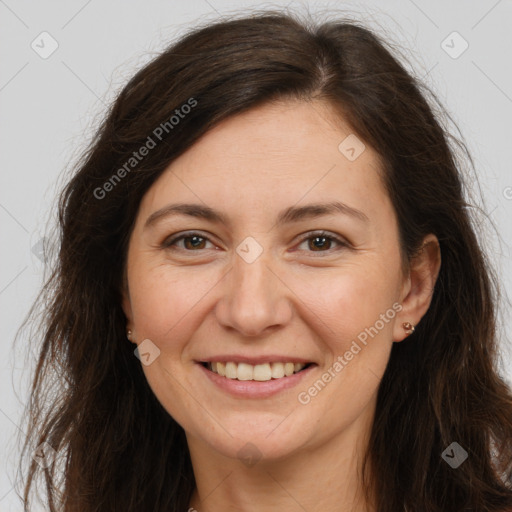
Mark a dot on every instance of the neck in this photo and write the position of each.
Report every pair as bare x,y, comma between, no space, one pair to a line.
322,476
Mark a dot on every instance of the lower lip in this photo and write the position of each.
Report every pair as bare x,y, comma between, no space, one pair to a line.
253,388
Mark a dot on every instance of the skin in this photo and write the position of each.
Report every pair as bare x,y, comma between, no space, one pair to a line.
298,298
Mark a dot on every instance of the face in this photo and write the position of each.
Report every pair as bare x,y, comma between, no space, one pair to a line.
253,274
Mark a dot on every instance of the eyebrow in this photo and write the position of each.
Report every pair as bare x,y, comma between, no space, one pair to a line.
289,215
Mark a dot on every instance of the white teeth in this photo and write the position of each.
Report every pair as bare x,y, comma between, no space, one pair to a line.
262,372
277,370
244,372
231,370
221,369
288,369
259,372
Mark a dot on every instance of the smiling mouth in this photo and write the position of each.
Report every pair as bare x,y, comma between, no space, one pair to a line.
259,372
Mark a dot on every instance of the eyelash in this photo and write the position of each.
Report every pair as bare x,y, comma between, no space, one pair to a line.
168,243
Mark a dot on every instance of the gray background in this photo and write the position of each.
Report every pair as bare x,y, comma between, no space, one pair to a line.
49,107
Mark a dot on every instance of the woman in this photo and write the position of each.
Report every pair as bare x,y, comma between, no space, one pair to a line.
269,293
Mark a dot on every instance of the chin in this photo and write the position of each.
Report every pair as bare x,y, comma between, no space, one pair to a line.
258,440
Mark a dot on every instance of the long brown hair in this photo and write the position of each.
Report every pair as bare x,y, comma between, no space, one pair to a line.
116,447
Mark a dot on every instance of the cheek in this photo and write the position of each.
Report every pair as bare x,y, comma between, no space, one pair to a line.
165,301
356,315
350,301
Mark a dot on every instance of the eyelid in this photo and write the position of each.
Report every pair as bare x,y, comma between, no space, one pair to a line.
169,241
327,234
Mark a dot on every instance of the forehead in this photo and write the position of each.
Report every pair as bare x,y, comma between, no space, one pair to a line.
275,155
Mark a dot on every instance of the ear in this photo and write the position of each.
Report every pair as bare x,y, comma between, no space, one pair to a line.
418,285
126,305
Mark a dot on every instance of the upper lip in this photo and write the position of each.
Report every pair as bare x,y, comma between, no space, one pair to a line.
237,358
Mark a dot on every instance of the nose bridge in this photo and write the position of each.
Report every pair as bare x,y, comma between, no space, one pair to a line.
253,298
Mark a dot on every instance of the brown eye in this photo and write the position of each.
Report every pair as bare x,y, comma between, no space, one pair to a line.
191,242
322,242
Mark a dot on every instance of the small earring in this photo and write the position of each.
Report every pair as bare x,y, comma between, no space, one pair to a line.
409,328
129,334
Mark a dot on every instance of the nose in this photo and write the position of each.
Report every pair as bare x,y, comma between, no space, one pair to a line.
255,300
